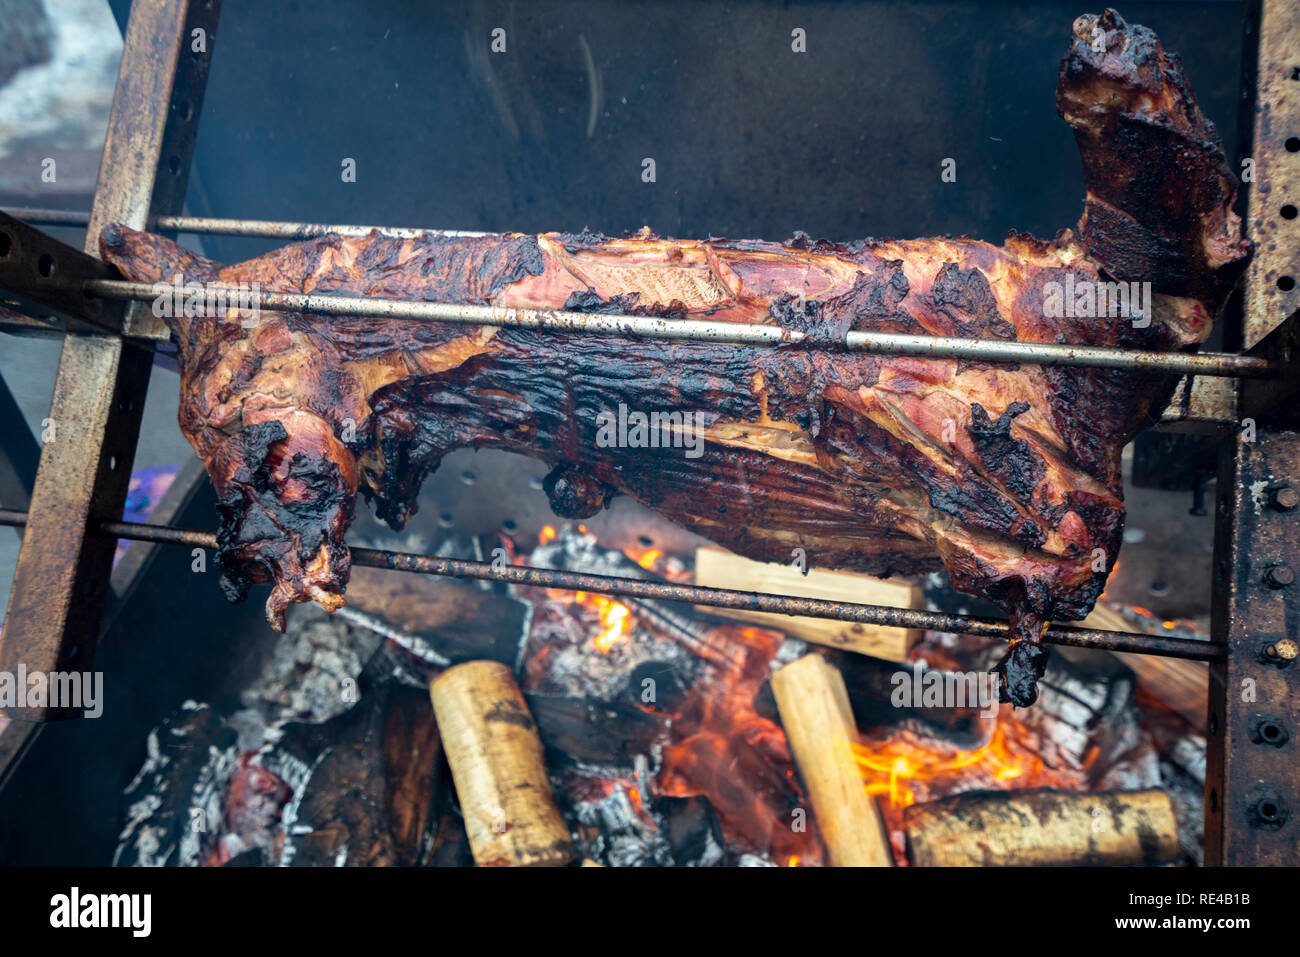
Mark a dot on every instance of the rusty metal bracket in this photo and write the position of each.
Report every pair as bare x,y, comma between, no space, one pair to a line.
1201,405
1252,781
62,578
39,275
1275,402
1252,792
1272,115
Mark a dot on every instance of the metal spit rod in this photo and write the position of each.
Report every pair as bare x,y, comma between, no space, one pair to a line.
735,333
259,228
1169,647
707,330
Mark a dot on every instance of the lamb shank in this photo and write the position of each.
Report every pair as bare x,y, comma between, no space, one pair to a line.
1006,475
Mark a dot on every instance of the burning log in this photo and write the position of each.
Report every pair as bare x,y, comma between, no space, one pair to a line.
495,756
717,568
576,729
814,706
1047,827
369,797
579,552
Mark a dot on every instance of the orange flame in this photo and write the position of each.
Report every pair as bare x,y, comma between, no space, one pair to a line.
614,620
740,759
1110,579
547,535
907,771
614,616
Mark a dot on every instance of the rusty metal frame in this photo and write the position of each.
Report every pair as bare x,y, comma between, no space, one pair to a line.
1252,782
62,578
1271,112
1252,787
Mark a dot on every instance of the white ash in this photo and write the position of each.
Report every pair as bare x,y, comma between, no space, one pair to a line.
1188,755
162,826
625,838
311,674
1188,797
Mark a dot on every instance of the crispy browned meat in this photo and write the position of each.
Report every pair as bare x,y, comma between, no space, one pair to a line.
1007,476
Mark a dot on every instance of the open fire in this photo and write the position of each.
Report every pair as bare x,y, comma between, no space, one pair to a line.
664,743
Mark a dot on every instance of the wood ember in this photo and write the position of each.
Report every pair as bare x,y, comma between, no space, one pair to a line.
560,657
175,800
705,679
1089,721
1045,828
255,802
578,729
575,551
370,796
616,827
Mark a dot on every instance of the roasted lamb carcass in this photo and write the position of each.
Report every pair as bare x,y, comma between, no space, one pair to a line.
1007,476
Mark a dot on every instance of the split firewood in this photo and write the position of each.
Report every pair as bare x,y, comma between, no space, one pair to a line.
1046,827
814,706
717,568
496,762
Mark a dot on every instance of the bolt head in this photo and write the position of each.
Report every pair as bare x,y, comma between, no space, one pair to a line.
1279,576
1285,650
1284,498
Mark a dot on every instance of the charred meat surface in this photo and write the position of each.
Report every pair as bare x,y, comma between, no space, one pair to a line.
1007,476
